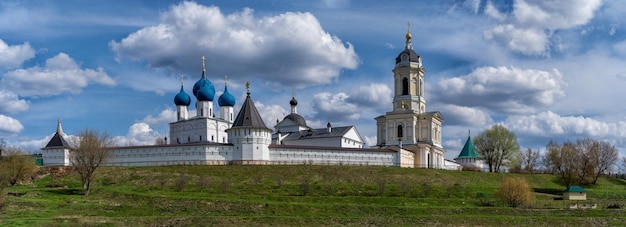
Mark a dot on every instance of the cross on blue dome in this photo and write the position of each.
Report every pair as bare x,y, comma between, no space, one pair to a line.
226,99
203,89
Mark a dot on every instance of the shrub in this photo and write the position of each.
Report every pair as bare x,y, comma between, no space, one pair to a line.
17,166
4,179
180,182
516,192
471,168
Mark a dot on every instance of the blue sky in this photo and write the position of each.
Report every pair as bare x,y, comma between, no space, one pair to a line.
544,69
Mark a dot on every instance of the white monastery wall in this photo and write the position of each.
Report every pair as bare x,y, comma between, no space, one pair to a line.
289,155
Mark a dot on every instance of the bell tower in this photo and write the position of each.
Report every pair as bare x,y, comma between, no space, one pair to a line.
408,126
409,80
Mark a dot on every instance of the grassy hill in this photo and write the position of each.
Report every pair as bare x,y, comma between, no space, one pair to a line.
298,195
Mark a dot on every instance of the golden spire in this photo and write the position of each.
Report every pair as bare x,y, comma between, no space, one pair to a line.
203,68
248,87
408,31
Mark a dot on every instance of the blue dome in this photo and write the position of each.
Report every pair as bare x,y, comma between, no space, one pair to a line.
226,99
203,89
206,92
182,98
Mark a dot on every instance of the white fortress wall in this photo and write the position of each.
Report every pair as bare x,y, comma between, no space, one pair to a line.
293,155
200,154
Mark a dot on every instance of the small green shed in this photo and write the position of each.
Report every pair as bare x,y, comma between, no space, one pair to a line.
574,193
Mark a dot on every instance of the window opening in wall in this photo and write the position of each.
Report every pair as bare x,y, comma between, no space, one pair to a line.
188,138
200,137
400,131
405,86
212,138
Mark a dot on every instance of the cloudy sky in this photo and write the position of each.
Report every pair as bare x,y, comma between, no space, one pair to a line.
544,69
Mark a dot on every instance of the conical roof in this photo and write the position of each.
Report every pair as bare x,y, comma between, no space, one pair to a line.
248,115
469,151
57,140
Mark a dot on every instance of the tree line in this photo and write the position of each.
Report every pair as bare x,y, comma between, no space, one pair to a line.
580,162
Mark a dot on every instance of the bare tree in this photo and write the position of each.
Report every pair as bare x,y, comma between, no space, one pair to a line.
496,145
90,150
604,158
530,160
585,150
562,160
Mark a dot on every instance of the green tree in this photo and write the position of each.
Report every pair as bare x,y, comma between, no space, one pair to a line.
90,150
496,145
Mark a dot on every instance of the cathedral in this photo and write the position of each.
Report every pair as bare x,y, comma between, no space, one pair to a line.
407,136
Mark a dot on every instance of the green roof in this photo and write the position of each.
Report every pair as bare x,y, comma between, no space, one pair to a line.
468,150
574,189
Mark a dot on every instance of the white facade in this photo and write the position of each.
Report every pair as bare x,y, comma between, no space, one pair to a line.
199,129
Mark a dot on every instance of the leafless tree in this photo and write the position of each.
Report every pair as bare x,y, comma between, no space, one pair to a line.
585,150
496,145
562,160
604,158
530,160
90,150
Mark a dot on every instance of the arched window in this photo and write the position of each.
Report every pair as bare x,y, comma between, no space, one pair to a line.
405,86
400,131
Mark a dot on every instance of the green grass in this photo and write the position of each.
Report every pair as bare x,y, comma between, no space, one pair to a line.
298,195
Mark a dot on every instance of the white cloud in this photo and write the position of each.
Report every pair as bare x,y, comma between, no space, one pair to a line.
14,56
464,116
554,14
530,41
551,125
289,49
335,107
491,11
530,26
139,134
270,113
10,125
502,89
370,95
165,117
11,103
620,48
61,74
369,141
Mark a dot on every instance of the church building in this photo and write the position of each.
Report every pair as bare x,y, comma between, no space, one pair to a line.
407,136
408,125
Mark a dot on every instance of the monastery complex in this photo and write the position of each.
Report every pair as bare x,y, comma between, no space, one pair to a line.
407,136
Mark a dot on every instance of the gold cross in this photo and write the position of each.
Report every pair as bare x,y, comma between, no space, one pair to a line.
248,86
182,79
